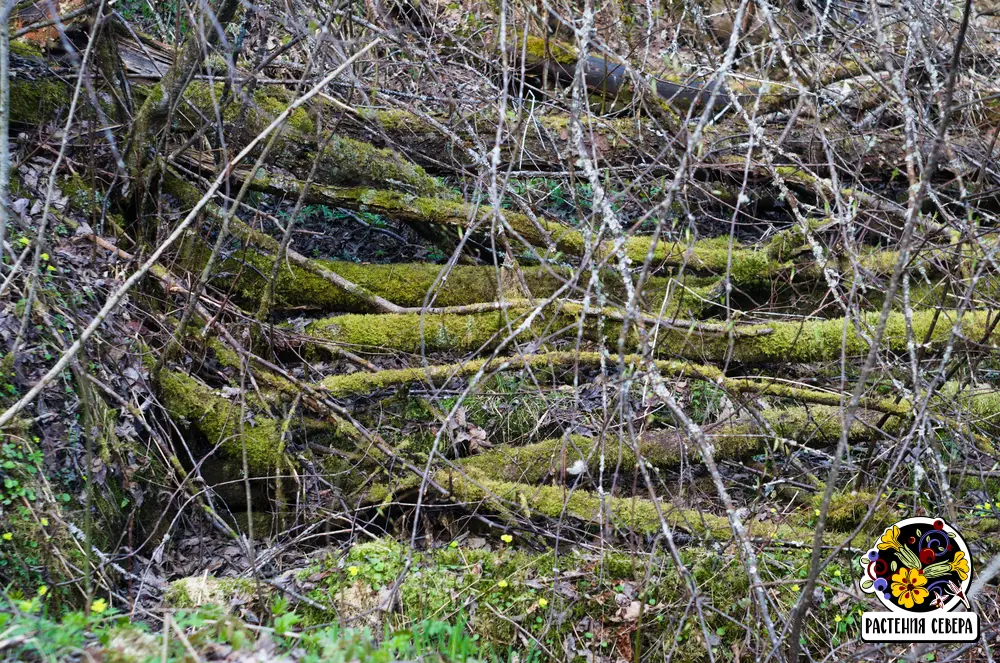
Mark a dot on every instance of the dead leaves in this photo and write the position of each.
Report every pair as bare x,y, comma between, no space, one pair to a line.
465,435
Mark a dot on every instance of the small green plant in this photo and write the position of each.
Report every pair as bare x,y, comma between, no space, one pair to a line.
705,401
18,467
428,640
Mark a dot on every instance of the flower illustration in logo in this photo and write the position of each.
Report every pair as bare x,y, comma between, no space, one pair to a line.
908,587
918,565
889,540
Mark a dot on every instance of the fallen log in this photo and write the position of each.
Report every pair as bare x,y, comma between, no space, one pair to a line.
803,341
564,460
356,384
630,514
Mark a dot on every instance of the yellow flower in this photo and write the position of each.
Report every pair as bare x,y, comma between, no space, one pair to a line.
502,584
908,587
353,570
45,522
795,588
506,538
838,619
542,603
890,539
7,536
98,606
43,590
961,565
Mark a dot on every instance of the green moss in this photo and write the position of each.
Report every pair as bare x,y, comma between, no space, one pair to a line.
552,460
414,332
25,49
393,119
128,644
81,195
344,161
795,175
359,383
821,340
537,50
406,284
276,386
557,459
803,342
634,515
36,101
848,509
298,120
218,420
747,267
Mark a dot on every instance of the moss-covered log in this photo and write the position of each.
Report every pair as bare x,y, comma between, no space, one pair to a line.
38,100
218,419
784,341
366,383
607,77
559,459
632,514
747,266
411,284
344,161
541,145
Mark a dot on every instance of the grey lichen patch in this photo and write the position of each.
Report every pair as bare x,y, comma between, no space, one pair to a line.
198,591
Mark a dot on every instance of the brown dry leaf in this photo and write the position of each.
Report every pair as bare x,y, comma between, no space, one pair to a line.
477,440
623,642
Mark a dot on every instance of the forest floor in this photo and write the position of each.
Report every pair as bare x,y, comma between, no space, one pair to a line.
492,351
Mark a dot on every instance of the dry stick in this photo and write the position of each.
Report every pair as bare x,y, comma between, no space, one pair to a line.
4,118
223,235
40,236
44,23
119,294
749,555
916,197
88,514
156,110
14,269
359,382
264,310
251,551
870,450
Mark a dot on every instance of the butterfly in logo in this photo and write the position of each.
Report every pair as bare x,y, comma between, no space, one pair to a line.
957,591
